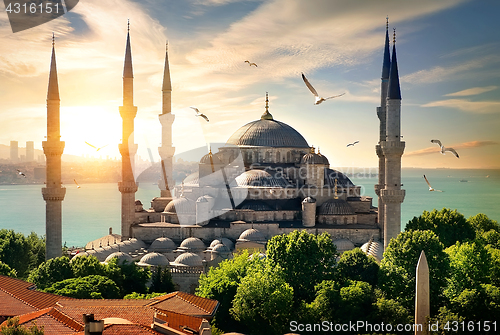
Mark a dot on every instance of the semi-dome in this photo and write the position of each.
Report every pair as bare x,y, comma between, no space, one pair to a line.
181,205
188,259
256,205
252,235
162,244
343,244
259,178
312,158
374,248
335,207
153,259
192,244
122,257
267,132
342,180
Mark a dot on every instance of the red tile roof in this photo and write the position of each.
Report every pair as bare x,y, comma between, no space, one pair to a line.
120,329
11,306
177,321
186,303
135,314
25,292
52,321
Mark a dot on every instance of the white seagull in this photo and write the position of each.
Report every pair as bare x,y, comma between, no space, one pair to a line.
19,172
352,144
198,113
313,91
249,63
430,187
443,149
77,186
96,148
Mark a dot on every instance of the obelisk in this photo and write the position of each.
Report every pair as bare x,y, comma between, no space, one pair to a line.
422,297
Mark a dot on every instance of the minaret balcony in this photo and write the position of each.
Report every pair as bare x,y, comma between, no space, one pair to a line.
166,152
393,148
166,119
127,187
127,149
53,194
392,196
53,148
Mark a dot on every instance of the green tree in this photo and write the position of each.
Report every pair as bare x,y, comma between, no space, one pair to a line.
86,266
397,269
89,287
306,260
37,250
5,270
139,296
449,225
12,327
389,311
221,284
128,276
482,224
356,265
264,302
14,251
161,280
480,304
51,271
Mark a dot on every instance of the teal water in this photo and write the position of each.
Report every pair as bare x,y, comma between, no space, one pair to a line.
90,211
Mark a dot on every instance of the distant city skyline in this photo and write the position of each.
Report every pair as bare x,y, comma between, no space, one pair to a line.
448,56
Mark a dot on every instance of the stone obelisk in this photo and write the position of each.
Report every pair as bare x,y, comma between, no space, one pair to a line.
53,193
422,296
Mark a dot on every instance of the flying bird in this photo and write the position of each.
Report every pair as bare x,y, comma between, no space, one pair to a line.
77,186
19,172
352,143
313,91
249,63
97,149
443,149
198,113
430,187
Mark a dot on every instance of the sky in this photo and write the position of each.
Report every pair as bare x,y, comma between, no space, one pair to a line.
448,55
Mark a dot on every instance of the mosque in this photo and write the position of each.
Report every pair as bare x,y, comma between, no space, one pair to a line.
265,181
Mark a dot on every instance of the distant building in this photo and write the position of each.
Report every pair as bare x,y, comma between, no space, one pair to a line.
30,151
14,151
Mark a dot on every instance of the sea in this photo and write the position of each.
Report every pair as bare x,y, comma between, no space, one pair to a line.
89,211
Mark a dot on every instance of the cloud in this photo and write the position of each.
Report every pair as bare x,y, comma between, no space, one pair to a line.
465,145
472,91
480,107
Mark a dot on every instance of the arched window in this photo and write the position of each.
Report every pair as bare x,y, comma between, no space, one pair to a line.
278,157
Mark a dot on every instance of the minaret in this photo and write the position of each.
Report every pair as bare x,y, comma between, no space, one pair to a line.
392,195
128,148
166,117
53,193
381,111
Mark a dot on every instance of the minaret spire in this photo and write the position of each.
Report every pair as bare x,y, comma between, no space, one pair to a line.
387,59
394,91
53,193
167,86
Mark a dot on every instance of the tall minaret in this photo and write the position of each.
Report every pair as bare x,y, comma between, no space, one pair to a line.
53,193
128,148
392,195
166,117
381,111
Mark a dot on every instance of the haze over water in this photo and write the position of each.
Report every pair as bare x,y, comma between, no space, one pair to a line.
90,211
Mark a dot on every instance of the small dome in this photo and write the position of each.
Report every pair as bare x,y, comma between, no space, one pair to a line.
181,206
335,207
192,179
192,244
311,158
122,257
374,248
256,205
153,259
214,243
325,160
206,159
188,259
201,199
227,242
162,244
259,178
309,200
343,244
252,235
342,180
80,254
138,202
221,248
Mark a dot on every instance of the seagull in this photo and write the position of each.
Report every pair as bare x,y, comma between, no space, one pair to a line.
352,143
19,172
247,61
443,149
77,186
430,187
97,149
198,113
313,91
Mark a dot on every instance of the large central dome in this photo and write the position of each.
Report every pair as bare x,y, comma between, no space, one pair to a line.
267,133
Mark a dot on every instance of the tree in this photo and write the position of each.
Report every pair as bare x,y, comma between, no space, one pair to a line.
128,276
37,250
264,302
161,280
51,271
481,224
86,266
389,311
14,251
306,260
397,269
221,284
449,225
356,265
89,287
5,270
13,328
139,296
